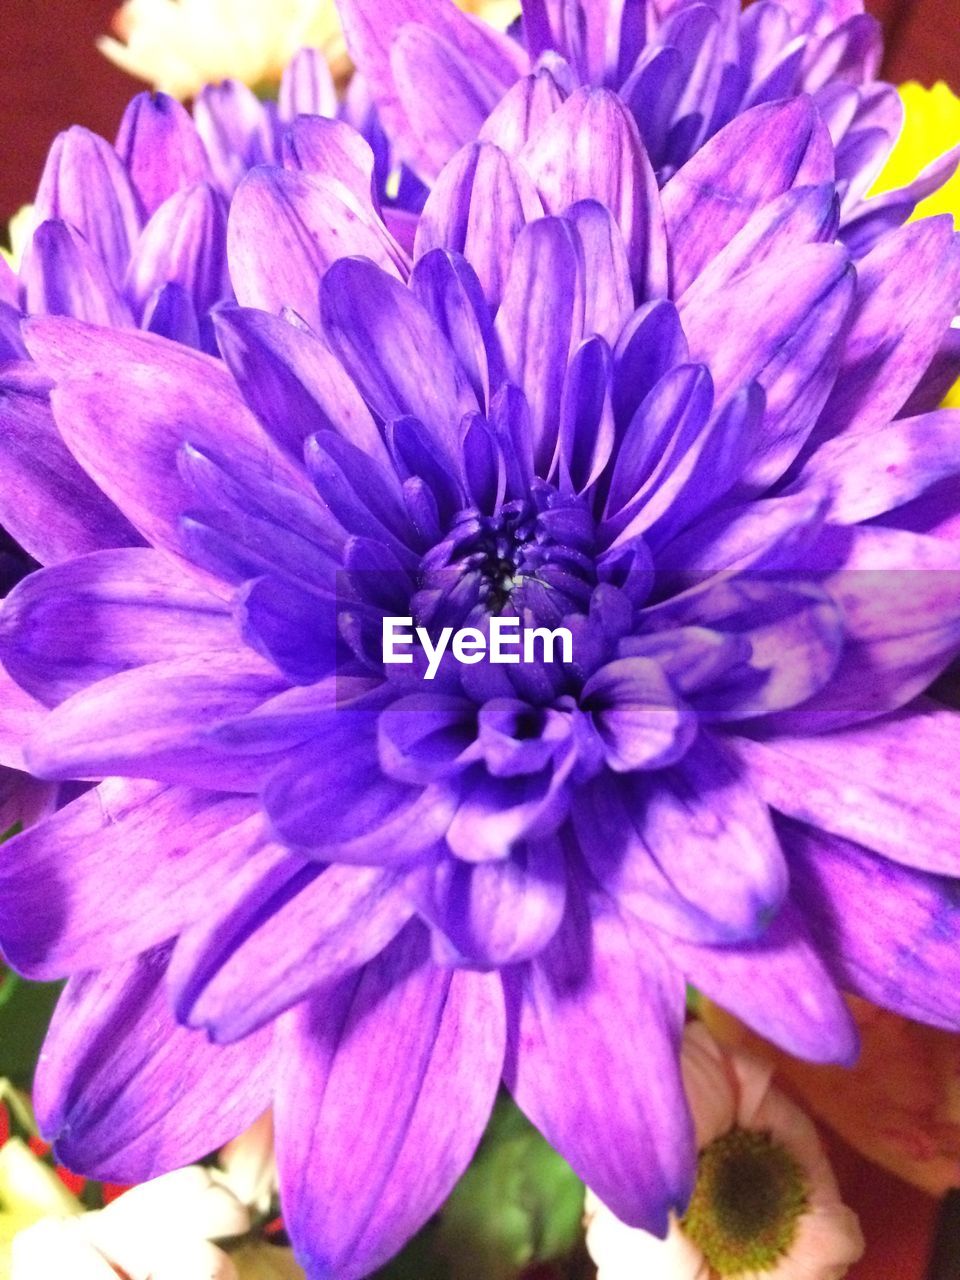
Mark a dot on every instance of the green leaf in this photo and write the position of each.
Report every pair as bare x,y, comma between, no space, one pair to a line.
25,1011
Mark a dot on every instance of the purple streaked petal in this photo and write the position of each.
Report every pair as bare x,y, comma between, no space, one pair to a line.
494,913
306,87
495,814
150,721
126,1094
448,287
438,124
237,130
85,184
586,431
165,395
330,148
398,1070
760,155
185,243
68,626
159,144
62,276
292,381
608,303
234,972
170,312
393,350
522,111
872,472
540,322
650,346
49,505
589,149
370,39
780,986
163,851
639,719
477,208
376,820
792,349
907,293
878,784
888,932
286,228
598,1001
422,736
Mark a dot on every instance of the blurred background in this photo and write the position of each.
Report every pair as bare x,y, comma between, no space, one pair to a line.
51,74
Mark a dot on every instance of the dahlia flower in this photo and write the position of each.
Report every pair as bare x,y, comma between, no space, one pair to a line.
318,881
683,69
766,1202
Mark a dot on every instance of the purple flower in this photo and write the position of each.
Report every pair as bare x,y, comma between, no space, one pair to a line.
321,882
683,69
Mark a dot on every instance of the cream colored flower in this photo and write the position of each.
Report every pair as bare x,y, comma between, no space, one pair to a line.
20,229
167,1229
180,45
766,1204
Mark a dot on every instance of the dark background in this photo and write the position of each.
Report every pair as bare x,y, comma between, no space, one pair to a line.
51,75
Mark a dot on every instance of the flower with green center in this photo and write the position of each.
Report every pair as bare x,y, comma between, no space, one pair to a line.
766,1205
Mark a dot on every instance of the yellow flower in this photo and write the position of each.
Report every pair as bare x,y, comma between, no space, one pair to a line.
931,127
180,45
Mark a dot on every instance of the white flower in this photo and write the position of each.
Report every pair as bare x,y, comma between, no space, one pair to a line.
178,46
164,1229
766,1204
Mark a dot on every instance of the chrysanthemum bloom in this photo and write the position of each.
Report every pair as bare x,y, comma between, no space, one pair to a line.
325,883
682,68
766,1202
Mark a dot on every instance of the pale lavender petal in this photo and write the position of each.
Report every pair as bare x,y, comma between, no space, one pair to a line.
50,506
522,111
877,784
760,155
184,243
888,932
161,149
62,276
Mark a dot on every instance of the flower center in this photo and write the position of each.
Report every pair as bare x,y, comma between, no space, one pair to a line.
749,1196
532,555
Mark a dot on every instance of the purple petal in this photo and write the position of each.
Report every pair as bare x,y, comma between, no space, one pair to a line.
780,986
159,144
609,294
522,111
650,346
150,721
331,148
126,1094
879,784
49,505
165,396
872,472
85,184
306,87
478,206
185,242
375,821
495,913
907,291
439,123
760,155
292,381
396,355
888,932
792,347
592,1059
540,322
398,1070
370,38
237,970
237,129
62,276
286,228
589,149
66,627
163,850
639,719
